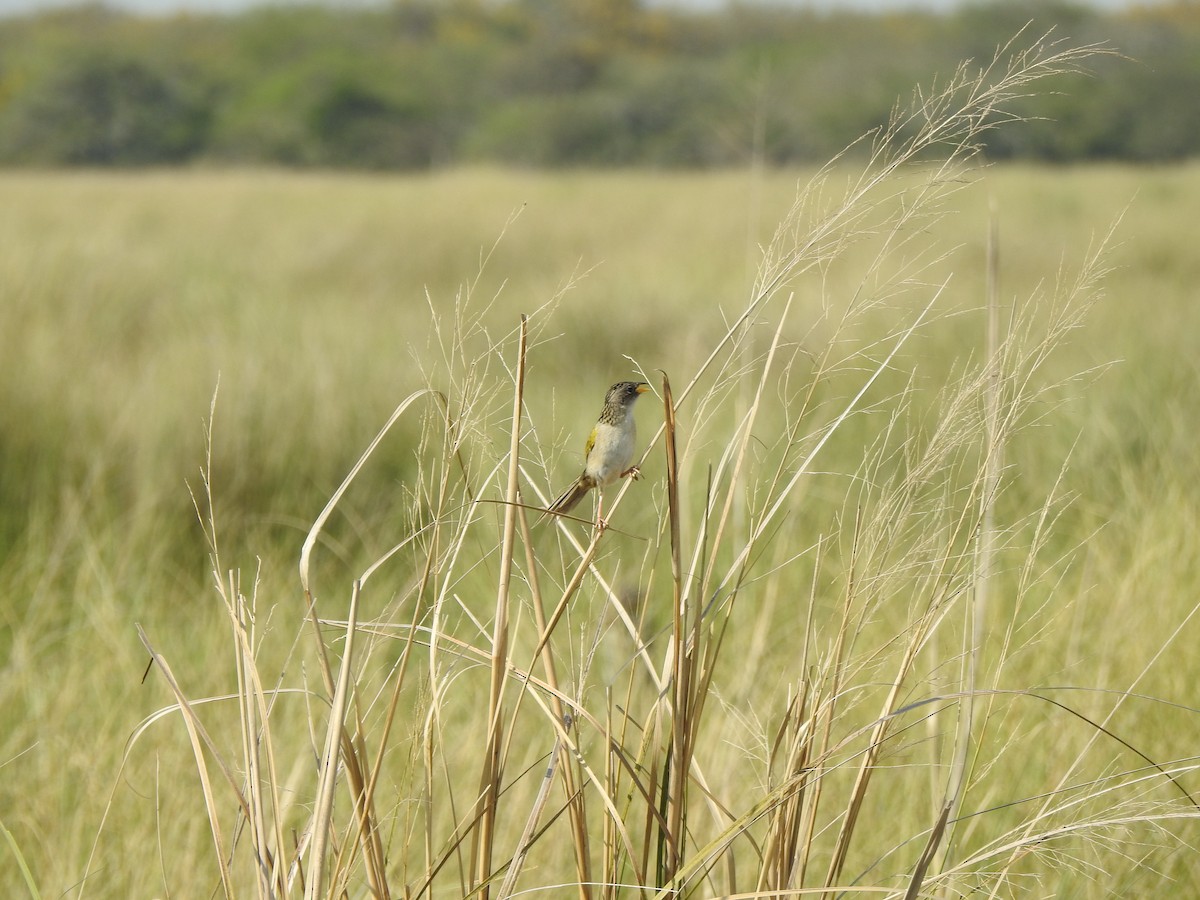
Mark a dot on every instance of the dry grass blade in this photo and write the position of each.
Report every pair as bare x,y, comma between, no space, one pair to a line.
576,799
314,532
676,777
986,542
262,790
928,854
493,765
321,826
531,824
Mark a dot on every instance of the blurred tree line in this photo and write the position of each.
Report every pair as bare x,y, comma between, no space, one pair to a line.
421,83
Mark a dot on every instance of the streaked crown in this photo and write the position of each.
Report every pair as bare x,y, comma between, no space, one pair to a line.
619,398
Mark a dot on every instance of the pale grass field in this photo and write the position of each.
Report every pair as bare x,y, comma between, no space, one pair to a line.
312,297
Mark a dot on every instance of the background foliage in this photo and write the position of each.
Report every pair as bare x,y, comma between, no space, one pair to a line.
420,83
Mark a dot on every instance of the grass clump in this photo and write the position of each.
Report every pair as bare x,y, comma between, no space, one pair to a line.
522,722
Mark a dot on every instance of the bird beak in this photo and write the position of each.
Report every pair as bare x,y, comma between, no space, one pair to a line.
643,387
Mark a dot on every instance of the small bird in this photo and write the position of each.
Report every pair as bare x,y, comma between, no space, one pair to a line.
608,454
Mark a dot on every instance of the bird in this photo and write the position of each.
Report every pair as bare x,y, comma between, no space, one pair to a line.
608,454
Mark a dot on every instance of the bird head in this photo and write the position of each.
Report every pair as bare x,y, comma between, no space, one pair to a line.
625,392
620,398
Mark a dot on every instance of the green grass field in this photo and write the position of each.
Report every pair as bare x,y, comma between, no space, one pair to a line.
319,302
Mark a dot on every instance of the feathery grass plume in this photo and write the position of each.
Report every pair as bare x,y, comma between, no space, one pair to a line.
766,679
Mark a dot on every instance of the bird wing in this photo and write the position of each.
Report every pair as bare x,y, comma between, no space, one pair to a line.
591,443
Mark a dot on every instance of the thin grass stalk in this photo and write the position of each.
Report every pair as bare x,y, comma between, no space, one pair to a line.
267,740
426,801
231,599
247,728
791,865
701,690
649,792
508,885
649,760
929,853
393,704
683,659
784,855
322,821
349,756
985,546
493,769
209,527
644,792
368,836
364,834
438,686
807,773
742,447
252,708
826,712
560,719
777,830
253,730
576,805
466,826
610,853
814,776
569,591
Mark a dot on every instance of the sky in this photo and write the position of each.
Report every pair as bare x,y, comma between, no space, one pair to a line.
166,7
10,7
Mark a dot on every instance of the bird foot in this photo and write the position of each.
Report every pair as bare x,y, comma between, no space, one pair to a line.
601,522
632,472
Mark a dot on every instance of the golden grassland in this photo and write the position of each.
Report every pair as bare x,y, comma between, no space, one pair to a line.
320,301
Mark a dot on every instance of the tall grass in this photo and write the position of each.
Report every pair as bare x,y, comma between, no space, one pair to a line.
771,674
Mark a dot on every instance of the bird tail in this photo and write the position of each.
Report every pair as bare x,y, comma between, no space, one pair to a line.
568,500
